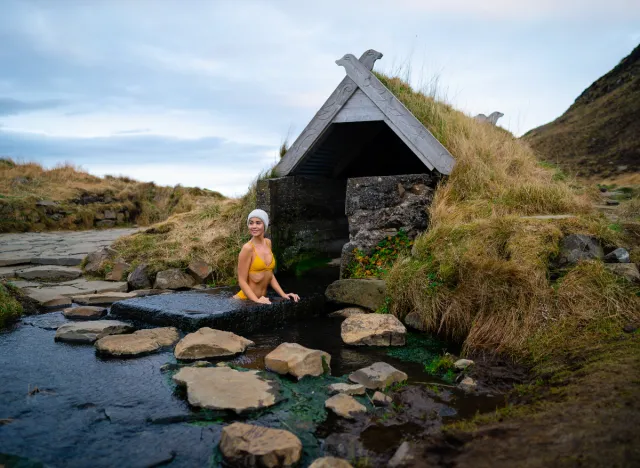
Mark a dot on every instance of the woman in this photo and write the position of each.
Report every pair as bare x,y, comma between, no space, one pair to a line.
256,263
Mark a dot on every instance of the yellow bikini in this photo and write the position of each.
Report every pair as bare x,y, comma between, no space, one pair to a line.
258,266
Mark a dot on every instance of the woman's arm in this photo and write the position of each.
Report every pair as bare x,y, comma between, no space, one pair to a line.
244,263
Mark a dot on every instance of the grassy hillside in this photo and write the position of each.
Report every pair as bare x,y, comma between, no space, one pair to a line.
481,273
599,135
35,199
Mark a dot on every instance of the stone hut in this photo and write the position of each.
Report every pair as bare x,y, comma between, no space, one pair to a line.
362,169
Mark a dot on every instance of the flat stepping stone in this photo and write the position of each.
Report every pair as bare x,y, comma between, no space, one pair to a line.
15,258
345,406
89,332
47,299
102,298
137,343
294,359
7,272
223,388
49,273
378,376
84,286
210,343
84,313
367,293
373,330
248,445
355,389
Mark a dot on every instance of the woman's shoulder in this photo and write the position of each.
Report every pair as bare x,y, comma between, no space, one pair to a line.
248,247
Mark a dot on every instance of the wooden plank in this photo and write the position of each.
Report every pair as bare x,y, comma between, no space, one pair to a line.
323,118
359,108
405,124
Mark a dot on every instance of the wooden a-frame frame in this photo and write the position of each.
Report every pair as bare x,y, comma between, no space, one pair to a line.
362,97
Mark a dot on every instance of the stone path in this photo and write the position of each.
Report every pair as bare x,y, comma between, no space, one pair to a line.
45,265
54,248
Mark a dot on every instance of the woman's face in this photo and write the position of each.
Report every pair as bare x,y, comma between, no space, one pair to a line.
256,226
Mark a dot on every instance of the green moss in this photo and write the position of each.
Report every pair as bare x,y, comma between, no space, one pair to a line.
378,263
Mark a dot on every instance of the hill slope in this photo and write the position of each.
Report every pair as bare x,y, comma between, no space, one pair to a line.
599,135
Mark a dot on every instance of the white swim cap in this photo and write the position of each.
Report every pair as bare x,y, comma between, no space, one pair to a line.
259,214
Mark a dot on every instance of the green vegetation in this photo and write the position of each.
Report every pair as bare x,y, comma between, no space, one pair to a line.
442,366
379,262
10,309
480,275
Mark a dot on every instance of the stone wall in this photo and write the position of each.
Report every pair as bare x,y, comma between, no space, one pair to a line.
307,216
378,207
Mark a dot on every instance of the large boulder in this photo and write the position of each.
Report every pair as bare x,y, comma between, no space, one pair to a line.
578,247
173,279
139,278
378,376
200,271
373,330
84,313
93,262
137,343
248,445
89,332
367,293
210,343
294,359
345,406
223,388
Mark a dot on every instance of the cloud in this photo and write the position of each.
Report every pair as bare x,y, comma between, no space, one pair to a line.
10,106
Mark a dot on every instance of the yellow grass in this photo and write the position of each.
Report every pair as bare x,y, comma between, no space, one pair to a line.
480,274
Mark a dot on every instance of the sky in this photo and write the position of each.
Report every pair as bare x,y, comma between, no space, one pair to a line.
202,93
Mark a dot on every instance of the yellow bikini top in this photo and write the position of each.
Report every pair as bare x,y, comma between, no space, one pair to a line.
258,265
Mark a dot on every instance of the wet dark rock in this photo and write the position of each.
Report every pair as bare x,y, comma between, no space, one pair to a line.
619,255
577,247
50,321
347,446
139,278
89,332
215,308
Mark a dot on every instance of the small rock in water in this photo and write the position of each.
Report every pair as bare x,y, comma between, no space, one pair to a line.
380,399
201,364
345,406
378,376
619,255
209,343
138,343
294,359
468,384
403,456
349,389
373,330
248,445
330,462
89,332
84,313
463,363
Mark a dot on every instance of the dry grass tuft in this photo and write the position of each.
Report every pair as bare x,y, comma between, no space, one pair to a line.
214,231
480,274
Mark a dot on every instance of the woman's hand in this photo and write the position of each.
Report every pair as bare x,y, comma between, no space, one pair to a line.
263,300
292,296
